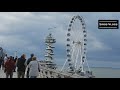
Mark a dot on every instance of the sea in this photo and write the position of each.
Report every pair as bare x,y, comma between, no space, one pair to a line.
105,72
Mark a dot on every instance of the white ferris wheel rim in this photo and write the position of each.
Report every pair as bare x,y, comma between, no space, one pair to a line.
76,39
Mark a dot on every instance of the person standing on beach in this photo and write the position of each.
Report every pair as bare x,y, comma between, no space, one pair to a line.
21,66
34,67
28,61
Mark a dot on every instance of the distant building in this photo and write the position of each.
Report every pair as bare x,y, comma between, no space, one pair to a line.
2,52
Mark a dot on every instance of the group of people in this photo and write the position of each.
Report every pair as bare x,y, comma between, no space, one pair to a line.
29,68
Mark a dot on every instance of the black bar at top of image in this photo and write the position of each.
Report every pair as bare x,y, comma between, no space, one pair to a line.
58,6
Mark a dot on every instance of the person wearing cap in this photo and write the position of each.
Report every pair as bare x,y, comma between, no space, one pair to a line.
28,61
34,68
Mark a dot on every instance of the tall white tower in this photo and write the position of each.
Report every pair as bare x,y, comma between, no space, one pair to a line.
49,41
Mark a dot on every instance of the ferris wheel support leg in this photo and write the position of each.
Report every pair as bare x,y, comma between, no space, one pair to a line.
64,65
73,50
88,65
80,63
81,59
76,59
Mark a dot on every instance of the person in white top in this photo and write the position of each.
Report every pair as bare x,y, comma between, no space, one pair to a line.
5,58
34,67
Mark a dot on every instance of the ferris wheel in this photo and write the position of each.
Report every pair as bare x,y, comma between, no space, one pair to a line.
76,45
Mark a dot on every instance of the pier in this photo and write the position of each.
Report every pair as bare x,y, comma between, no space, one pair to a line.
46,73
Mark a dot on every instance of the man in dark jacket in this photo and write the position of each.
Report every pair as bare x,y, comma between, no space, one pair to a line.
1,61
28,61
21,66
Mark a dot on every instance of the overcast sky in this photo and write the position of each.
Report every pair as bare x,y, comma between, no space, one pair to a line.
25,32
